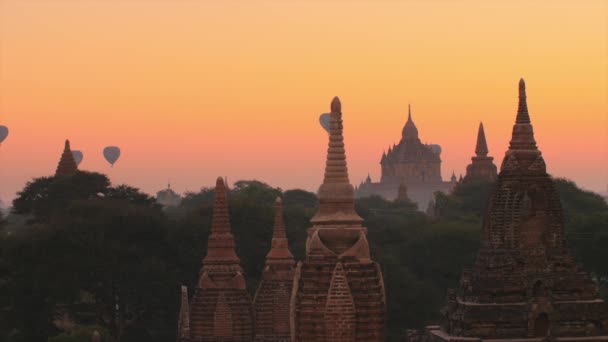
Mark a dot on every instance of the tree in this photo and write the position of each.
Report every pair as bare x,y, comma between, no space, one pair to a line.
46,196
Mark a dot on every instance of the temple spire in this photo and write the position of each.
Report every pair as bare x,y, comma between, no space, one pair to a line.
221,242
523,132
336,194
482,147
279,249
67,165
336,170
522,109
409,112
410,132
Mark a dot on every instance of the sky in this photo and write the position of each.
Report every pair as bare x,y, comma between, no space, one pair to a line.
195,89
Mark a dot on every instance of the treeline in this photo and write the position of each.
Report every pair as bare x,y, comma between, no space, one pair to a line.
78,255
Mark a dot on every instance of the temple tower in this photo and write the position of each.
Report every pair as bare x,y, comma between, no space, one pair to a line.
525,285
221,307
338,290
411,161
482,167
67,165
272,298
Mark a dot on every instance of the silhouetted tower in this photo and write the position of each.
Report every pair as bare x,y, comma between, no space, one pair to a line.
524,283
482,167
339,290
67,165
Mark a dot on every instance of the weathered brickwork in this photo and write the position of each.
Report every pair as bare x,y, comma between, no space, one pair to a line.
338,290
525,285
272,299
221,307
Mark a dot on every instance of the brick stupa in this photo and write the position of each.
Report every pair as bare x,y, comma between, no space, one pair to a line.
271,301
525,285
67,164
221,306
339,292
482,167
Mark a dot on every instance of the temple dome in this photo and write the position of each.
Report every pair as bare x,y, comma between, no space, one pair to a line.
410,132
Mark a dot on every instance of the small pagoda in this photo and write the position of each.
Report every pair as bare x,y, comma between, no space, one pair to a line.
67,164
221,309
482,167
272,298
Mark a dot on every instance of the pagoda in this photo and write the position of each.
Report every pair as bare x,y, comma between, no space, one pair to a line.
525,285
67,164
339,293
272,298
482,167
221,308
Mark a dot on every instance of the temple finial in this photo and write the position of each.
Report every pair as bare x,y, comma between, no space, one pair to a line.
336,194
336,105
409,112
523,133
220,222
279,249
522,109
66,147
220,247
410,132
481,149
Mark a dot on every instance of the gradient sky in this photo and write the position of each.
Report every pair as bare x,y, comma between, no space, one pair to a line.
195,89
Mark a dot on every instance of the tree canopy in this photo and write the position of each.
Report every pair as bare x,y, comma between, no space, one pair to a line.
96,255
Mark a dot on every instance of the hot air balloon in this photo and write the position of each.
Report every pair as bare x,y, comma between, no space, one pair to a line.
111,153
3,133
324,121
77,156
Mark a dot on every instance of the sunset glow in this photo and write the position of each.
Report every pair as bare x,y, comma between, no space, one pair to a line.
191,90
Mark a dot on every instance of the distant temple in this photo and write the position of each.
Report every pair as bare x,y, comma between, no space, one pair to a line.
67,164
272,298
482,167
412,163
168,197
221,308
339,293
525,285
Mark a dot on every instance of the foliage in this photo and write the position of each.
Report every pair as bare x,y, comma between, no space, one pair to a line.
82,334
88,242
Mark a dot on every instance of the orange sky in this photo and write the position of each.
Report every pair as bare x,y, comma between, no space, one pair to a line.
193,89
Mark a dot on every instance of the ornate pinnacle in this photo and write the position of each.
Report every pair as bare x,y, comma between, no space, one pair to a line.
482,147
279,250
523,133
220,222
221,243
409,112
522,109
335,169
336,106
336,194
